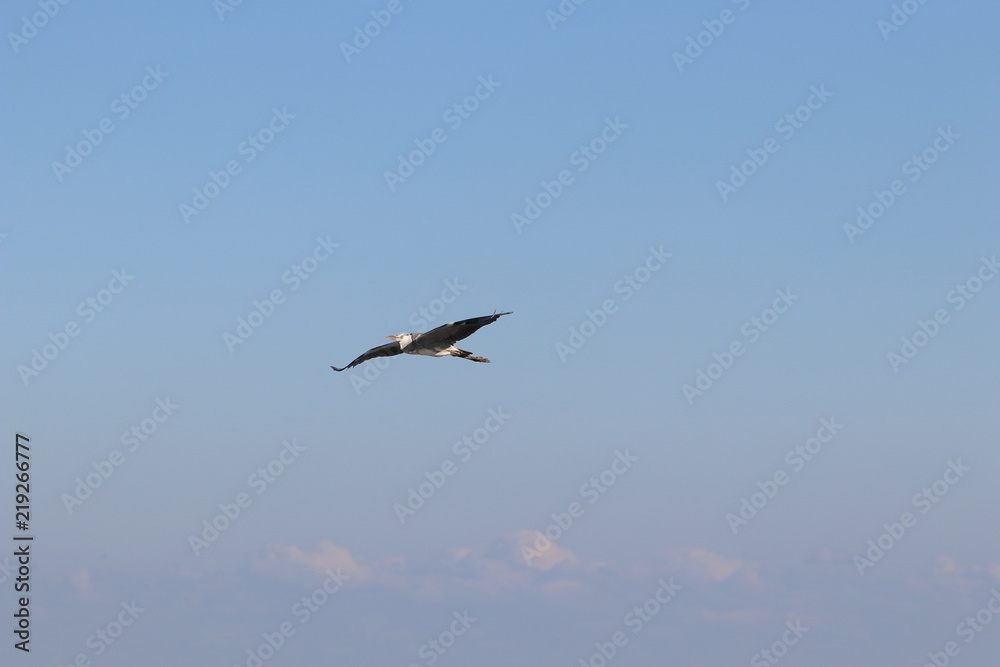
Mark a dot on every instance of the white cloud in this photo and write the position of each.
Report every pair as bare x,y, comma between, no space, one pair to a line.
543,554
289,561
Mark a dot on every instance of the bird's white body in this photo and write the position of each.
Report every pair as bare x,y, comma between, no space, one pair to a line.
405,341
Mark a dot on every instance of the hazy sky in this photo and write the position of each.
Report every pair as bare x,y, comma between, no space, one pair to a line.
744,411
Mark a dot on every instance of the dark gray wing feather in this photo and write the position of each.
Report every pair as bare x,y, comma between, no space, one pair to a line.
453,332
387,350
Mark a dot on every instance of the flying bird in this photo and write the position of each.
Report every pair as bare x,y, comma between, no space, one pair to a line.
439,342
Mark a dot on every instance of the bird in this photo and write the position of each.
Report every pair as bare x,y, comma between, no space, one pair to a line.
438,342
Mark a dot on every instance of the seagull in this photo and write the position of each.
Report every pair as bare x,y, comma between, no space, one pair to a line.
439,342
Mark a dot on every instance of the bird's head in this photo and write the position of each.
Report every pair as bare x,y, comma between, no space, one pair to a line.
403,338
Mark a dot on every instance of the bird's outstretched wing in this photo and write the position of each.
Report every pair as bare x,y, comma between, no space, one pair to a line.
453,332
387,350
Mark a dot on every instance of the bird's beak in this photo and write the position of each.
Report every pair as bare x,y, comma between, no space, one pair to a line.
391,337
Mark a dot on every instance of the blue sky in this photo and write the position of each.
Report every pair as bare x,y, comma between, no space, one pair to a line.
682,337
